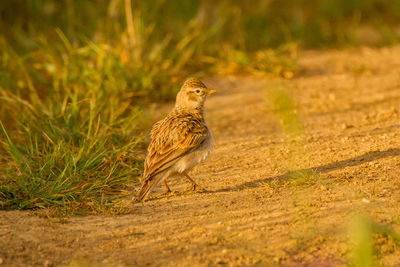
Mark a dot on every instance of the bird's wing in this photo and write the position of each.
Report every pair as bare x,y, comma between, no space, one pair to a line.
171,139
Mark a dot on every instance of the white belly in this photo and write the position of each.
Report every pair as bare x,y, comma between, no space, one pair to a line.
187,162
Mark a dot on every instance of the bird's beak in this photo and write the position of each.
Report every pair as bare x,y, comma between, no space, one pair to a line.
211,92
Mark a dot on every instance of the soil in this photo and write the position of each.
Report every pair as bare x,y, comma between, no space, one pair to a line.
252,213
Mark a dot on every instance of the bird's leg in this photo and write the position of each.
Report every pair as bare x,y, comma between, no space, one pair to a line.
168,189
196,187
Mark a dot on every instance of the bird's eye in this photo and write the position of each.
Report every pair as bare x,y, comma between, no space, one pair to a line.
197,91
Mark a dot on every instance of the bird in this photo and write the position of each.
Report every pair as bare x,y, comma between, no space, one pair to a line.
180,141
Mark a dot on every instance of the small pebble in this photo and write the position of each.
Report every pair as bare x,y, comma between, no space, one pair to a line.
219,261
346,126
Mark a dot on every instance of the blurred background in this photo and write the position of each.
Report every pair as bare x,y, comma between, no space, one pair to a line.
158,42
152,44
241,24
78,79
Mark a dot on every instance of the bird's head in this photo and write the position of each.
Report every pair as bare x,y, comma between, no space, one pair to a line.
192,94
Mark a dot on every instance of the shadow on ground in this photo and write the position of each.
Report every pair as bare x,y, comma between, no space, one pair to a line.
364,158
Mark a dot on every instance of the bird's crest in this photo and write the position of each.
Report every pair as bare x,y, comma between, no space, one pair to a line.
193,83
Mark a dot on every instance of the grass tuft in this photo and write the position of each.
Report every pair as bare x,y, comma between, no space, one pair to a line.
70,127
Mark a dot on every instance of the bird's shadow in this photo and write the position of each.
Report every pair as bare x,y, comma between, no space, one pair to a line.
355,161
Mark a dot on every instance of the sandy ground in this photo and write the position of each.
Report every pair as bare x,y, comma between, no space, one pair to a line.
349,104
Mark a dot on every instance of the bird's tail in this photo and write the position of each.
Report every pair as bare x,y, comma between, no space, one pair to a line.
146,188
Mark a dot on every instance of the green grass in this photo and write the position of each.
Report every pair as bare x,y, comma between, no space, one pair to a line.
68,127
366,236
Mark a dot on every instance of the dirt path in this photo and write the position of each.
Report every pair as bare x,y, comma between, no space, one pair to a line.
349,103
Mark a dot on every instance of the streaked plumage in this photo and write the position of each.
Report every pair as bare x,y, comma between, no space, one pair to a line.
180,141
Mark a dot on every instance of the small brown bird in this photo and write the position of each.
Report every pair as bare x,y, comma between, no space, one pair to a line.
180,141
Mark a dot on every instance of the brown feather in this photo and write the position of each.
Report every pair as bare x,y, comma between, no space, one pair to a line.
172,138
